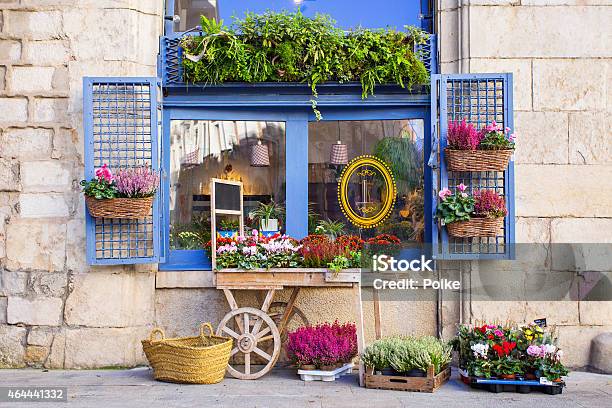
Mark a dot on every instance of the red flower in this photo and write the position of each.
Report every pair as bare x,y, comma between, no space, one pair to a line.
491,337
504,349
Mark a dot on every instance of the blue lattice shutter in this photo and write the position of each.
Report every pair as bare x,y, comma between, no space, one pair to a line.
121,128
479,99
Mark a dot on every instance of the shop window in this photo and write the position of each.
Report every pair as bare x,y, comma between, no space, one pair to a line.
231,150
398,143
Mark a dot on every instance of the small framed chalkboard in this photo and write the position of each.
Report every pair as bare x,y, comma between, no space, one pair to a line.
226,198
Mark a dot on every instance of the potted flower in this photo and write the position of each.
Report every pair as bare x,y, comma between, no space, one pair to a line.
505,366
489,149
322,347
478,215
228,228
545,361
127,194
268,216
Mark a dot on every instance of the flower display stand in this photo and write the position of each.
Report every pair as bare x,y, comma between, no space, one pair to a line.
430,383
321,375
257,338
518,385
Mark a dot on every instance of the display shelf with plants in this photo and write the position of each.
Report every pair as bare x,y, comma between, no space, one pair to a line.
495,355
487,149
465,215
291,47
127,193
407,363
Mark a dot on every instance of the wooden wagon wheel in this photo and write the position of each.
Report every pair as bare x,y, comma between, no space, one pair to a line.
253,326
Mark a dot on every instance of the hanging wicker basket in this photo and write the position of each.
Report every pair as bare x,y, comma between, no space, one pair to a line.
477,160
476,227
130,208
201,359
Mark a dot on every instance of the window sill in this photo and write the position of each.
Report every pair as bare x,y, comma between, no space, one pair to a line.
184,279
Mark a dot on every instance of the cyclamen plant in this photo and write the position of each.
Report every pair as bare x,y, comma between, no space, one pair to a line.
455,207
496,138
102,186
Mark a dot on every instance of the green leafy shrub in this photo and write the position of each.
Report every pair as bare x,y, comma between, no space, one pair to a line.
290,47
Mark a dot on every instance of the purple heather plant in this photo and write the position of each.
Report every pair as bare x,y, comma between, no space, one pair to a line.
323,344
137,182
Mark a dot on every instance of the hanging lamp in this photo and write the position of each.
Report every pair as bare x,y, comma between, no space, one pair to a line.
260,157
339,152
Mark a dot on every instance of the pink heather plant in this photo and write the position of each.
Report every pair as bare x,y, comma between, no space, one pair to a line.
323,344
136,182
463,136
489,204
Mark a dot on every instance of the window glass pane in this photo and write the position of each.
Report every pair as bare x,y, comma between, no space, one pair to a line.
399,143
190,11
231,150
348,13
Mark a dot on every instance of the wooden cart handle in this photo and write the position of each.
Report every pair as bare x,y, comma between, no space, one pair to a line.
206,326
159,331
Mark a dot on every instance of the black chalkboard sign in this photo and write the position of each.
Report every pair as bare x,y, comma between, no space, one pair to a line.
227,196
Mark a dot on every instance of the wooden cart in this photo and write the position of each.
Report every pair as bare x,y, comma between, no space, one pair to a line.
256,335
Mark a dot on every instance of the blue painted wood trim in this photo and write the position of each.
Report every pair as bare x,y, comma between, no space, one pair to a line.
89,173
89,167
187,260
296,177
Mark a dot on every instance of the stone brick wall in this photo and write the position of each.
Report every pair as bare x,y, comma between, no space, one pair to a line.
560,54
55,311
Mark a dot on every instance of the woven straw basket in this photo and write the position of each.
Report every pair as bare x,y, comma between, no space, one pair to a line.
476,227
201,359
477,160
131,208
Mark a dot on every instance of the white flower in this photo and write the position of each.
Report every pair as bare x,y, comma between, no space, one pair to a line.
549,348
480,350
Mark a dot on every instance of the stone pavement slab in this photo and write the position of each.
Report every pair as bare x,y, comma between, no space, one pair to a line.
282,388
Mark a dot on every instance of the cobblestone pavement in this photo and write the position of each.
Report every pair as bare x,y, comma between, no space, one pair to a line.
282,388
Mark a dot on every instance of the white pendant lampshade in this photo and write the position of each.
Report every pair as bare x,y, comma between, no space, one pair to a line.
339,154
260,156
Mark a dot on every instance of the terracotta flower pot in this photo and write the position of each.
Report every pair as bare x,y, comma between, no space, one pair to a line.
530,376
507,376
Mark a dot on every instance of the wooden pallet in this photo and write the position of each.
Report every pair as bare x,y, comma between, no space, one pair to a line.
429,383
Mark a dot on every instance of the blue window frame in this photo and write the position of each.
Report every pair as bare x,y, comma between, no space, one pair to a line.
284,103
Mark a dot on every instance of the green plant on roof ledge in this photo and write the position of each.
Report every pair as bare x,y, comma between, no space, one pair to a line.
290,47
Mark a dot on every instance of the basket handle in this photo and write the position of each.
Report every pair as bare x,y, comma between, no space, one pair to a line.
155,331
206,326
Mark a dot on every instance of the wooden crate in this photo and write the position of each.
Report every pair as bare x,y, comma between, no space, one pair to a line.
430,383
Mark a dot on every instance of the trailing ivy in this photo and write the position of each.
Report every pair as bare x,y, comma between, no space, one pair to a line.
290,47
